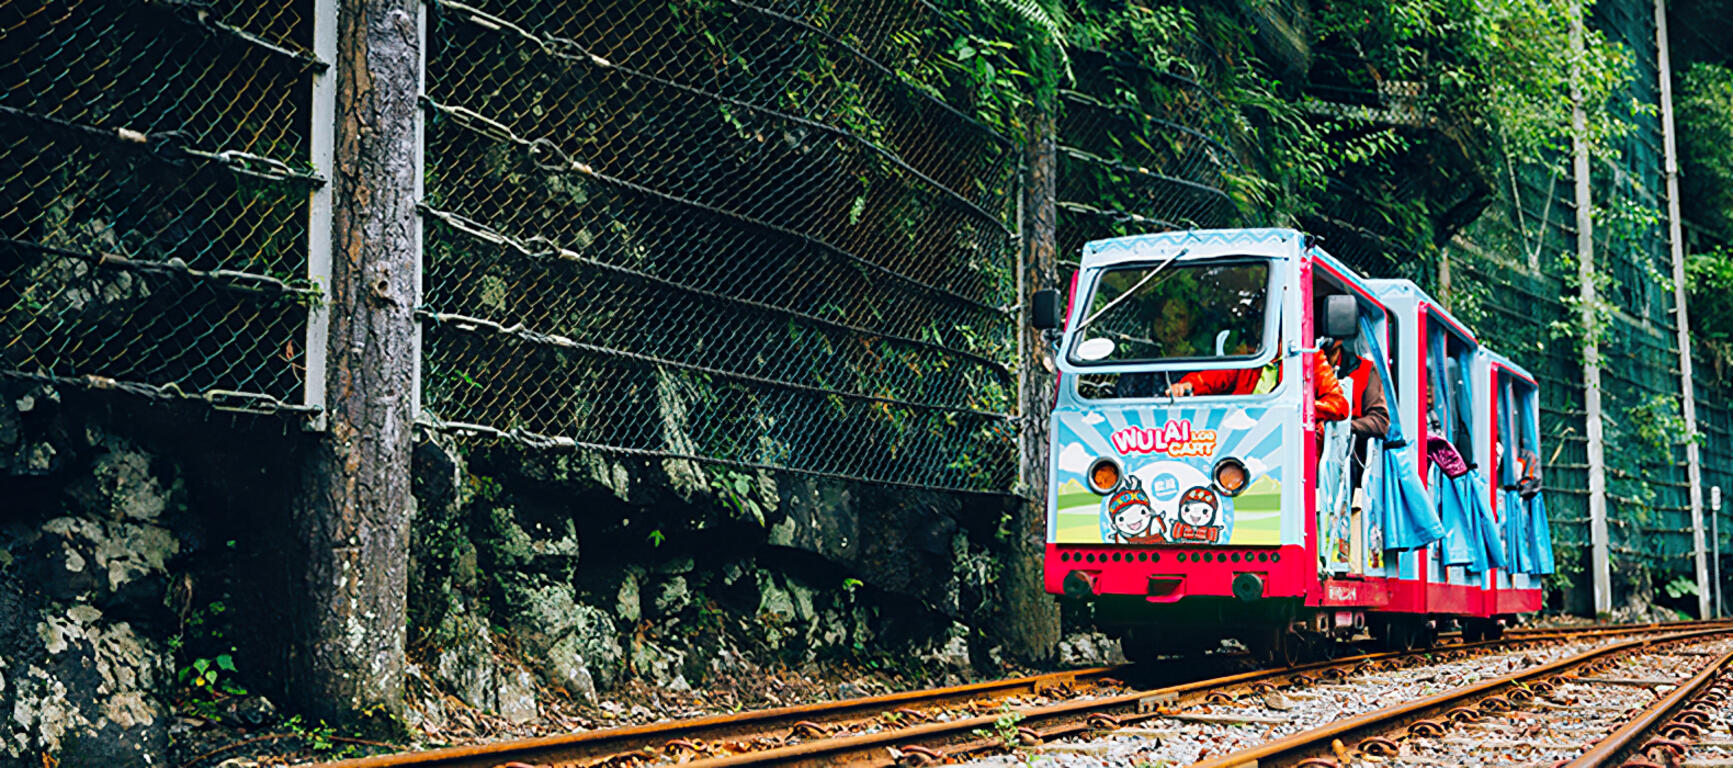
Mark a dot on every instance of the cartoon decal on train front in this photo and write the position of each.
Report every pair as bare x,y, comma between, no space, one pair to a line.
1166,459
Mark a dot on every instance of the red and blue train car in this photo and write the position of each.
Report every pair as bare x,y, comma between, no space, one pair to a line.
1200,487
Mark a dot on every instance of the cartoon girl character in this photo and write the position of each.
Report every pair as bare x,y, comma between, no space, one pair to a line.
1198,517
1132,518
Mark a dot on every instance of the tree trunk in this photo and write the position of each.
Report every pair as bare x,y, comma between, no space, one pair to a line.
346,659
1034,614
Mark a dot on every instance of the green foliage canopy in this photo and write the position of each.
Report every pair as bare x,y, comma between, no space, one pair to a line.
1704,114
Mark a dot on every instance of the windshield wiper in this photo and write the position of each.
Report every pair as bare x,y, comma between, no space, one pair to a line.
1128,337
1134,289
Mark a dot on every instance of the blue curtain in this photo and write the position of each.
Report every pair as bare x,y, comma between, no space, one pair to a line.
1471,537
1528,540
1518,545
1452,508
1401,500
1540,534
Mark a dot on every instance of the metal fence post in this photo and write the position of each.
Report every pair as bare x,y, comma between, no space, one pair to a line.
1602,570
322,143
1682,317
1715,536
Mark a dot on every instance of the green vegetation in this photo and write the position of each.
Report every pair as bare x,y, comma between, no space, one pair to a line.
1704,113
1681,586
1711,281
1004,729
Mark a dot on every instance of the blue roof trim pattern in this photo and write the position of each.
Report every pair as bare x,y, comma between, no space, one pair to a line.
1187,237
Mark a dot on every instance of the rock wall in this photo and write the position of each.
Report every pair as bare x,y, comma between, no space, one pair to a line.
123,522
140,539
582,571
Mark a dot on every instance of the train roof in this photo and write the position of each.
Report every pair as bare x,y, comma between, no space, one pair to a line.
1200,243
1387,287
1508,364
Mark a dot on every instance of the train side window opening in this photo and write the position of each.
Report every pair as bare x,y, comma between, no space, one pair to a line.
1448,369
1520,458
1393,349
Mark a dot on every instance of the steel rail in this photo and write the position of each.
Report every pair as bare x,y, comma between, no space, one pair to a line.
946,740
1624,742
1318,742
957,736
586,747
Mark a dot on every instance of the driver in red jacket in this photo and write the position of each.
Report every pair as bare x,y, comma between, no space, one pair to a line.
1331,404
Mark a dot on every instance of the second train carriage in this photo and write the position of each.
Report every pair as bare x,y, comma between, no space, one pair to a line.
1200,489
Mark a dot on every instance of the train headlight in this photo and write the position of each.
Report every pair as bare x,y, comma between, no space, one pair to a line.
1231,476
1104,475
1079,584
1248,586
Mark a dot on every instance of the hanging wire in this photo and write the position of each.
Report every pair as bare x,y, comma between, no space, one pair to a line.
154,178
725,233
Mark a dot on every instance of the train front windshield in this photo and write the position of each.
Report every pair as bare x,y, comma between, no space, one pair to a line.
1175,312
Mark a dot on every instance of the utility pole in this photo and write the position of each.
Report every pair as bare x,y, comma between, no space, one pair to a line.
352,513
1600,564
1682,318
1034,614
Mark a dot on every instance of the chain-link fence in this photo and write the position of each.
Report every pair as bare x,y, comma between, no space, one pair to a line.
1712,367
718,231
1140,150
155,177
738,232
1715,423
1515,272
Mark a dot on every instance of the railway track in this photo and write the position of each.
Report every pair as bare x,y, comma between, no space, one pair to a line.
947,724
669,741
1690,726
1558,712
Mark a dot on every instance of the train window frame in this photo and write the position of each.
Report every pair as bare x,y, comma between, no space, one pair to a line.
1269,346
1458,348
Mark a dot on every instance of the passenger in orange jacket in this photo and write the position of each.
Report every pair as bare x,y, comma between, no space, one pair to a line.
1331,404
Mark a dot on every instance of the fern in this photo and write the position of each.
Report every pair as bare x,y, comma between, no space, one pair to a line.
1048,21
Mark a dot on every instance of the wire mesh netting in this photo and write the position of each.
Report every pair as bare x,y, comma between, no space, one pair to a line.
1647,484
717,231
1518,274
154,178
1715,423
1509,273
1140,151
740,232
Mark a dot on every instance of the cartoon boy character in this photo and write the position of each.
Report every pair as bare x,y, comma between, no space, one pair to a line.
1132,518
1197,517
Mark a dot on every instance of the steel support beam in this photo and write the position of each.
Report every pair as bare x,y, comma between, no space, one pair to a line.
322,140
1682,316
1601,567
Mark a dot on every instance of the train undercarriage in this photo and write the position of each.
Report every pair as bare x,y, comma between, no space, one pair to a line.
1276,631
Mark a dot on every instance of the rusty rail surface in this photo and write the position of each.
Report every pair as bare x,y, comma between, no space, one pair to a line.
934,742
1652,734
662,741
1318,745
589,747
